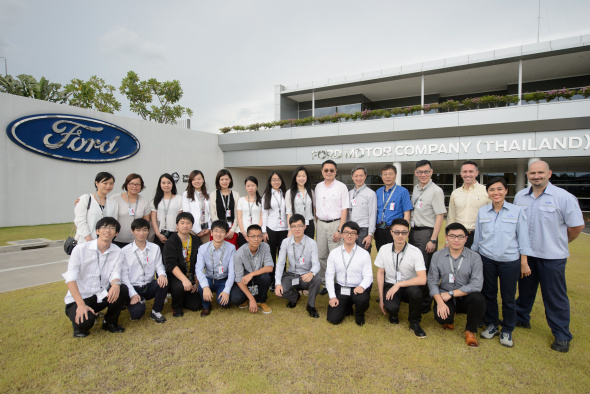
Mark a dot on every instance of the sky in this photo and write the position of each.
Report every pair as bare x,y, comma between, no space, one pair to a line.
229,55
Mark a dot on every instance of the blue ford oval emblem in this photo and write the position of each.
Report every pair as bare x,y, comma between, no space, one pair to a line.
73,138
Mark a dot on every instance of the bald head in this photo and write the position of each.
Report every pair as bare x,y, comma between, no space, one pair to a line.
538,164
539,174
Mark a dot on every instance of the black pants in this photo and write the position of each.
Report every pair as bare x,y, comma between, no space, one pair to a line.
237,296
508,273
182,299
360,301
470,237
310,230
113,310
420,237
150,291
362,235
473,304
383,237
241,240
159,243
412,295
275,238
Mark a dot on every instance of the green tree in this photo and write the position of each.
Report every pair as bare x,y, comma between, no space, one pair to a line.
94,94
27,86
141,95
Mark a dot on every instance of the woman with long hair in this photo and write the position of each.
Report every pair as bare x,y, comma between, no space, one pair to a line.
224,202
195,200
274,215
131,206
299,199
249,210
165,206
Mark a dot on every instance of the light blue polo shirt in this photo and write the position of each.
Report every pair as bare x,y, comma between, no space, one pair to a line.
549,216
501,236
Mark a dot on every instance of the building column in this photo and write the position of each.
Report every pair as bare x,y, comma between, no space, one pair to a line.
313,103
422,96
398,167
520,177
520,82
531,161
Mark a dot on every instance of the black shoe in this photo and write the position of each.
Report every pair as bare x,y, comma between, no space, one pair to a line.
377,300
178,314
291,304
312,312
393,319
482,324
523,325
349,311
360,321
425,309
324,291
561,346
272,289
418,330
112,327
81,334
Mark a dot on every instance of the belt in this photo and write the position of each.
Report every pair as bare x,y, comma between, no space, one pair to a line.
422,228
328,221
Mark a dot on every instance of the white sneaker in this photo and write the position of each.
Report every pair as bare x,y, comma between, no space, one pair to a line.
506,339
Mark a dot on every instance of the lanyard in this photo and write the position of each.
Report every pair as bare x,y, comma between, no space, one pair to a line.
99,267
255,257
347,265
303,200
295,255
166,208
458,266
250,206
420,192
355,192
187,259
225,204
202,202
129,202
279,200
220,258
102,208
402,253
143,263
384,202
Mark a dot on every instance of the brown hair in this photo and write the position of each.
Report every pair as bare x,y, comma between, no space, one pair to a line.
131,177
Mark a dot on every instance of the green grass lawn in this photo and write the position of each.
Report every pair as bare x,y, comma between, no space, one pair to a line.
286,351
49,231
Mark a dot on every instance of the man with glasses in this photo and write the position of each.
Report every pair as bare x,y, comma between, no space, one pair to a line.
363,207
400,274
331,208
215,268
143,261
428,200
350,267
393,202
466,200
93,279
304,265
555,220
455,280
253,265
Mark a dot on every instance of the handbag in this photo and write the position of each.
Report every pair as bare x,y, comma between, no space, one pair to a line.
70,243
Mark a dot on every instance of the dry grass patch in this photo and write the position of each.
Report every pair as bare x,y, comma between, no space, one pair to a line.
50,231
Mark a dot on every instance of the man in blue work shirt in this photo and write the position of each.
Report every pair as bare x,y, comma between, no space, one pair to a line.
393,202
555,219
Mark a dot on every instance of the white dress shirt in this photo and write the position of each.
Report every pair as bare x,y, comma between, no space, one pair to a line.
303,205
275,218
85,219
141,265
358,273
410,262
194,206
363,207
167,221
331,200
91,270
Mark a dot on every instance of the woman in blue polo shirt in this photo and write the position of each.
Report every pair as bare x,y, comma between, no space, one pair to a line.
501,238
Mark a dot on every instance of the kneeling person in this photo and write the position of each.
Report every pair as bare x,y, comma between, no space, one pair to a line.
350,266
180,256
215,268
253,265
401,273
455,280
143,260
94,281
302,253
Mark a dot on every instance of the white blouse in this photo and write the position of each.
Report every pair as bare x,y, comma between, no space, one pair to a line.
194,207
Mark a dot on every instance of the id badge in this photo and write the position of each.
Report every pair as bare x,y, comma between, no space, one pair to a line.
294,281
398,276
353,202
345,291
250,220
411,223
131,211
451,278
301,260
418,204
392,206
307,222
280,222
184,253
228,213
102,295
220,270
253,290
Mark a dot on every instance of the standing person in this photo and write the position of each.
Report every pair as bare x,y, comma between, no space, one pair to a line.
180,257
253,265
332,203
428,200
249,209
224,203
274,216
466,201
215,268
300,199
195,200
302,253
350,267
455,280
94,281
363,207
143,260
131,207
165,207
555,219
393,202
90,208
502,239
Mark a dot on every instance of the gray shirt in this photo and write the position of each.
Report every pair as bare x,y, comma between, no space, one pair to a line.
306,249
427,202
468,279
245,262
363,207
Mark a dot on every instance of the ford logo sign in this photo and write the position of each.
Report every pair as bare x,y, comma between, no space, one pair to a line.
73,138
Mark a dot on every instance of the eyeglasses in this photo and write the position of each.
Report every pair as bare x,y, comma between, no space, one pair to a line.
297,226
134,184
349,233
404,233
423,172
459,237
111,228
329,170
255,236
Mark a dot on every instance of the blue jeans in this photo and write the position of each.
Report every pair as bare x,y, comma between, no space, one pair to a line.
508,272
216,286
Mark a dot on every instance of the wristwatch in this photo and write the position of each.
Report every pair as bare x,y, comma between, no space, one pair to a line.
452,293
118,282
433,241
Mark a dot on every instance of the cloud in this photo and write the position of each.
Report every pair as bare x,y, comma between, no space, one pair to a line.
11,13
127,45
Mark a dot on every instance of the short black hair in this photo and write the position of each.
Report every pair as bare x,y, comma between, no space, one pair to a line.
470,162
108,221
401,222
455,226
222,224
497,179
253,227
351,225
103,176
139,223
221,173
185,215
296,218
329,162
389,166
423,162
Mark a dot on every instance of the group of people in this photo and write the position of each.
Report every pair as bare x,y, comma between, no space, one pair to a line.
319,241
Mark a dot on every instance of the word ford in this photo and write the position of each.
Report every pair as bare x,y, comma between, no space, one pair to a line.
78,143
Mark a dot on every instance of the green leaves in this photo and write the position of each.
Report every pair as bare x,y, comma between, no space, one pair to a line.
93,94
